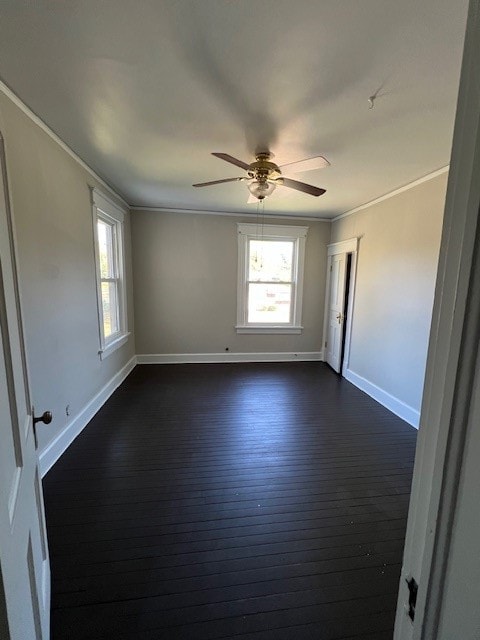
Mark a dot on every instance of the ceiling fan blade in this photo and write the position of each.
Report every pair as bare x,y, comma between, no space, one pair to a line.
309,164
231,159
301,186
208,184
279,192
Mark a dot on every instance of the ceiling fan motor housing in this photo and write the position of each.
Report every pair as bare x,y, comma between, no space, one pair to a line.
262,169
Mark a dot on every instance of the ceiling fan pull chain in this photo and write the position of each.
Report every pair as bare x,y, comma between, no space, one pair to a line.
262,203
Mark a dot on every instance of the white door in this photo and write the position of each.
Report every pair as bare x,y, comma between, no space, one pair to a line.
24,563
336,305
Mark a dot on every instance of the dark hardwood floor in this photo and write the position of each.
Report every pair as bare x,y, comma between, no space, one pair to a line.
246,501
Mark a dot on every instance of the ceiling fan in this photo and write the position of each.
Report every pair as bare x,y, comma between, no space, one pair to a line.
263,175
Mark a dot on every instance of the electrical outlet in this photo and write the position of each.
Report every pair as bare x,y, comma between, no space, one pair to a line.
67,410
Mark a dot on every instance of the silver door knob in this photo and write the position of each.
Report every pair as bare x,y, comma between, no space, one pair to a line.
46,417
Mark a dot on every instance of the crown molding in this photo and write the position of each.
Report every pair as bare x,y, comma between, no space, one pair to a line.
233,214
395,192
46,129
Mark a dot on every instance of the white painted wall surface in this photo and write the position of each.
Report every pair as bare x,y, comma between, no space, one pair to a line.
53,221
185,283
396,270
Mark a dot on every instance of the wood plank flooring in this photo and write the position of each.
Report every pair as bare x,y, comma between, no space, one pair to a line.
231,501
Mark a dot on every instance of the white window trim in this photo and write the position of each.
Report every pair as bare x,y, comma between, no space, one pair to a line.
104,208
248,232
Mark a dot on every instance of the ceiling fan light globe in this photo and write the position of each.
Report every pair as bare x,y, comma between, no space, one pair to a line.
261,189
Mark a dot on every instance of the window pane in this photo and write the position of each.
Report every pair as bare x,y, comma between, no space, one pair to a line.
269,303
110,308
270,260
105,249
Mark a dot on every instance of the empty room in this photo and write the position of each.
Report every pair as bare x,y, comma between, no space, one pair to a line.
239,319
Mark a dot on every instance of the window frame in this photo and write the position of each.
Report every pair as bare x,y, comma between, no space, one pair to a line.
112,214
297,235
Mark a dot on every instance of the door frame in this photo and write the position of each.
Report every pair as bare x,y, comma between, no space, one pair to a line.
349,246
447,416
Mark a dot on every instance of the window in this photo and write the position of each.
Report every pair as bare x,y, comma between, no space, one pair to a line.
109,255
270,278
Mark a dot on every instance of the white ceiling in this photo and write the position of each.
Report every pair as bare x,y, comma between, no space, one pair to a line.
144,91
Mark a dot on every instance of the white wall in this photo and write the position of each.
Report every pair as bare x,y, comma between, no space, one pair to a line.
185,286
397,263
50,199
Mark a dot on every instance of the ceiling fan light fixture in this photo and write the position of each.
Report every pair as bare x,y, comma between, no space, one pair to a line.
261,188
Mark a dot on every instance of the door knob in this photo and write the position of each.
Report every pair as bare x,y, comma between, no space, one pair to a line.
339,317
46,417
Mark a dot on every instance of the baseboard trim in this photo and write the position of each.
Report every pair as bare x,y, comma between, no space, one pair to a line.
204,358
64,439
396,406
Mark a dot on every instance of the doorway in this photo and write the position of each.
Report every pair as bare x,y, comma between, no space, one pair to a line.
348,274
339,300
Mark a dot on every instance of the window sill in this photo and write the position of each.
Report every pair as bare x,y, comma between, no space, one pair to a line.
113,345
272,329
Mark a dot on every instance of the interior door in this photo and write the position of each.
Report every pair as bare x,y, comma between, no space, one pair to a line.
24,563
336,303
